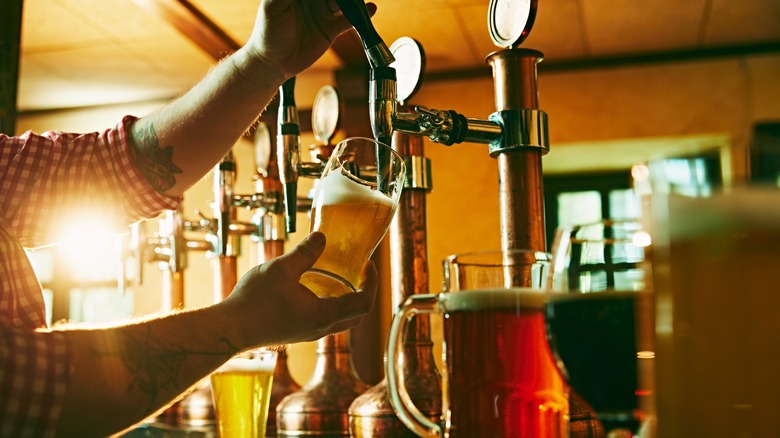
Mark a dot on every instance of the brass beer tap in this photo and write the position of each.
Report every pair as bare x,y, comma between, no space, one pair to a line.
516,134
371,414
320,408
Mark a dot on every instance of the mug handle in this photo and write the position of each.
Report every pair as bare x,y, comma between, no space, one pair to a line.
402,403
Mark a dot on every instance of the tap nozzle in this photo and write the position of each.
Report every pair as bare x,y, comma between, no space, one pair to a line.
379,55
224,182
288,150
383,102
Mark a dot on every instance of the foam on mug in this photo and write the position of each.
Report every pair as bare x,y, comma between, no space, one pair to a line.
246,365
739,210
336,188
495,299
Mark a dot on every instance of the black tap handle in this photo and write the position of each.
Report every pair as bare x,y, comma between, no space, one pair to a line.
288,150
357,14
287,93
377,51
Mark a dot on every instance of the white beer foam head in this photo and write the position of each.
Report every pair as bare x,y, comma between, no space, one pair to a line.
480,299
335,188
740,209
243,364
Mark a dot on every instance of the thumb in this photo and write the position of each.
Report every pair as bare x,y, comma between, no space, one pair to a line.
303,255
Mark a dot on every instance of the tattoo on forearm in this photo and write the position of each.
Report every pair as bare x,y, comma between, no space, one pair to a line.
155,367
154,162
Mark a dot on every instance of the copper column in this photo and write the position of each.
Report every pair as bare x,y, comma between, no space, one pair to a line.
371,414
521,192
272,234
320,407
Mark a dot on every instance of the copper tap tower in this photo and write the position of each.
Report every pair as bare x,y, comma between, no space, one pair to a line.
516,134
270,237
320,407
371,414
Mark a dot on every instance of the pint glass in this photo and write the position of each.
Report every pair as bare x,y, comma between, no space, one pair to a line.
242,390
353,204
717,283
599,320
499,376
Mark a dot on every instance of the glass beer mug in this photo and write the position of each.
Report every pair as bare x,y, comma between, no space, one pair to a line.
354,202
499,375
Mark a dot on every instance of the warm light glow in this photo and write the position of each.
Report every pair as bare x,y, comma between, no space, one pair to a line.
641,239
640,172
645,354
91,249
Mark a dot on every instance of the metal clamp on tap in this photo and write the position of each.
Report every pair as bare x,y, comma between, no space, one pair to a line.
521,128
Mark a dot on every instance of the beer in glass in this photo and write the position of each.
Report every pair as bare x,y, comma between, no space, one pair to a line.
500,378
599,320
353,204
717,282
241,389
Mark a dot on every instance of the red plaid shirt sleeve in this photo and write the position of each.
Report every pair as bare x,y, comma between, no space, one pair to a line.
46,180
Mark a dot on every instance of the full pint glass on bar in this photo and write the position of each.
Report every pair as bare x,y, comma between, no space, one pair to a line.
353,205
241,389
500,378
717,282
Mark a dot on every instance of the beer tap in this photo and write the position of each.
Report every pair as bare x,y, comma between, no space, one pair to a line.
288,155
227,245
270,238
516,134
224,180
382,92
288,150
168,247
320,408
371,414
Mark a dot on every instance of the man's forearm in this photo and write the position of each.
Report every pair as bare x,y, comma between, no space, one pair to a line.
124,374
179,143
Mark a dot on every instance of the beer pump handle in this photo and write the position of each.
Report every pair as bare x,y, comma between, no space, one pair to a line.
382,87
224,181
378,53
288,150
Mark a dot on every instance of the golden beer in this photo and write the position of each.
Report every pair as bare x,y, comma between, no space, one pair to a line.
354,218
716,316
242,391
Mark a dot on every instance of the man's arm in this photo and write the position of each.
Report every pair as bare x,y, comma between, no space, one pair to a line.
178,144
124,374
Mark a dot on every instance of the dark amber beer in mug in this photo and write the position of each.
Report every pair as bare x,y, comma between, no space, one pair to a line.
353,206
500,378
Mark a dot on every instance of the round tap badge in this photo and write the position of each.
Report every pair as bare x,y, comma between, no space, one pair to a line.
409,66
263,145
510,21
325,114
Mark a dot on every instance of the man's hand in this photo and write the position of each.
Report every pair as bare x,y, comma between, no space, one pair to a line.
272,307
292,34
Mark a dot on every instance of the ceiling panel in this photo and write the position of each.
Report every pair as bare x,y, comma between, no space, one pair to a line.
618,26
557,31
446,45
745,21
236,17
127,52
45,26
